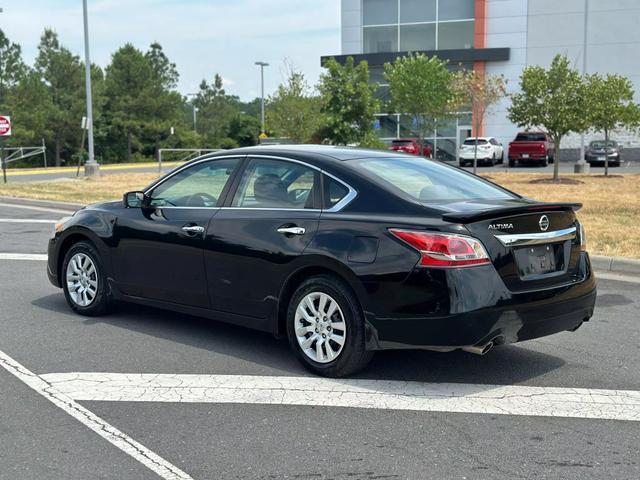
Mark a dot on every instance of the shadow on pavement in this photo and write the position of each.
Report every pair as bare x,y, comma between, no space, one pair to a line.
504,365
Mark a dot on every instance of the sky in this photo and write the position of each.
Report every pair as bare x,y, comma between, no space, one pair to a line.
202,37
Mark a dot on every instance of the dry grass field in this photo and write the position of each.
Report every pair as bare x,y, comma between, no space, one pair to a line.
611,212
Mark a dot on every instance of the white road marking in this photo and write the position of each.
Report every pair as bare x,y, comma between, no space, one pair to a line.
378,394
41,257
34,207
114,436
26,220
617,277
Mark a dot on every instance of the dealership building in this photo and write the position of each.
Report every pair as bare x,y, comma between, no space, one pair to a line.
500,37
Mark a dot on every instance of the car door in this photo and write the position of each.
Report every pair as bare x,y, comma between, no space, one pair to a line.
159,251
270,217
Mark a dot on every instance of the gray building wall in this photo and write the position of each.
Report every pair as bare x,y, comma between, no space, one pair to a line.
351,20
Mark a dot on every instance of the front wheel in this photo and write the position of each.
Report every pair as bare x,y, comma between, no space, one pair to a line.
84,281
326,327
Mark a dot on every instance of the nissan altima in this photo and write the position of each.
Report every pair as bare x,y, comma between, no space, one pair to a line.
344,251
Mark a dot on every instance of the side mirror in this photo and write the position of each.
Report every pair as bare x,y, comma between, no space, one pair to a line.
133,199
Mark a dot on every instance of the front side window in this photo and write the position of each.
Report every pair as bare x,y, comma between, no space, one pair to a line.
429,182
197,186
276,184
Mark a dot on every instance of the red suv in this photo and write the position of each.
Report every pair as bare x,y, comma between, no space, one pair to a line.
411,146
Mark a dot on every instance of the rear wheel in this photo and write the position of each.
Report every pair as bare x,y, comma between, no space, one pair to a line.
83,280
493,160
512,163
326,328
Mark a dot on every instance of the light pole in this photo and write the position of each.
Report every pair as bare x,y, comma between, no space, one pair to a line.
195,109
91,167
582,166
262,65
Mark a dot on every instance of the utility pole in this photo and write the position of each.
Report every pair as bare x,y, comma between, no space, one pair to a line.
582,166
262,65
91,167
195,110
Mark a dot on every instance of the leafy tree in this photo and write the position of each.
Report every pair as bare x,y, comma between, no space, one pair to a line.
216,110
423,88
347,101
12,68
480,91
611,106
293,112
138,103
63,74
244,129
553,98
164,70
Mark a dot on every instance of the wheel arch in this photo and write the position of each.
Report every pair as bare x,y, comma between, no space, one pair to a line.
74,236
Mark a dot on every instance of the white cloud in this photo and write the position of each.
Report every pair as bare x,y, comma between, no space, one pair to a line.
202,37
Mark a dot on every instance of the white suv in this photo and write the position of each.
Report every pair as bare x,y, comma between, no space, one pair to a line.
489,151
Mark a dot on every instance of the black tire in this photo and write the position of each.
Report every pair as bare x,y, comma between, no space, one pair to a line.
502,158
463,164
512,163
353,356
545,162
493,160
101,302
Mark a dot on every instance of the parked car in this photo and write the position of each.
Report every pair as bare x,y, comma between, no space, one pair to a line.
411,146
595,154
344,251
530,148
490,151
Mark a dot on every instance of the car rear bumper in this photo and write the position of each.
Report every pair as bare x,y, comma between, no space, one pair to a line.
487,313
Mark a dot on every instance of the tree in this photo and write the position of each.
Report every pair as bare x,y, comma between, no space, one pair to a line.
12,68
293,112
611,106
480,91
163,69
63,74
422,88
554,99
244,129
216,110
347,101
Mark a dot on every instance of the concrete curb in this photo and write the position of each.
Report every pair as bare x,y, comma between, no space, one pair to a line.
30,202
600,263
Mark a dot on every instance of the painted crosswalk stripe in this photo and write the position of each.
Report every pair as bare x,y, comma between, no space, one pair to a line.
41,257
154,462
375,394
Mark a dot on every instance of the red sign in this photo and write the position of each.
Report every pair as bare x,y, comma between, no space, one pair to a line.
5,126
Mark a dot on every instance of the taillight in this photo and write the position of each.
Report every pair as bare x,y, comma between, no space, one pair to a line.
583,238
444,249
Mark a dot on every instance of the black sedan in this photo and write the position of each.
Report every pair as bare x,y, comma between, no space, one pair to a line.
345,251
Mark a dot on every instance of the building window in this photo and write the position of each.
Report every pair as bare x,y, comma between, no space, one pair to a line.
453,35
417,37
413,11
456,9
379,12
380,39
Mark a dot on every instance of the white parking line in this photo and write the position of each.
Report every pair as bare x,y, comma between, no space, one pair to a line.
41,257
26,220
377,394
114,436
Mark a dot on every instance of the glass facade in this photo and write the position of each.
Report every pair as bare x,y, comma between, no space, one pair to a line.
411,25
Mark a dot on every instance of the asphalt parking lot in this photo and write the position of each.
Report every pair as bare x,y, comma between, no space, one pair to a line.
147,394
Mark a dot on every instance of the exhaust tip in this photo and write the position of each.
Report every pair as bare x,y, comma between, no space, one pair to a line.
479,349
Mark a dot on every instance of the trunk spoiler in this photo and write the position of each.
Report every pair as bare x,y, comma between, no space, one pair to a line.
474,216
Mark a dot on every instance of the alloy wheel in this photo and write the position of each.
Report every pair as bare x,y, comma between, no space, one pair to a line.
82,279
320,327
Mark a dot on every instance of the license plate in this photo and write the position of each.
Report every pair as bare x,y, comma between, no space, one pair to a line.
525,155
601,159
537,260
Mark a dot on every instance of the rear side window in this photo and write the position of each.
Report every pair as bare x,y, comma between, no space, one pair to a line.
334,192
428,181
531,137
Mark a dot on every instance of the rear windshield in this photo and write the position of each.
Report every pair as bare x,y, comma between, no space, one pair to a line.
531,137
472,141
429,181
400,143
599,145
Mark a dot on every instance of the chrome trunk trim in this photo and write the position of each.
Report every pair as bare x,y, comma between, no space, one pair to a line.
537,238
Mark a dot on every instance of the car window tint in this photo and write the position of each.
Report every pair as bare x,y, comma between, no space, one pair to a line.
429,181
334,191
276,184
531,137
472,141
197,186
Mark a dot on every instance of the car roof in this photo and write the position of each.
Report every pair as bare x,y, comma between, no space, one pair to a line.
328,151
479,138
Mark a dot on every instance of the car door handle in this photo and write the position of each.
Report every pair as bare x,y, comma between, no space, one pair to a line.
193,229
291,230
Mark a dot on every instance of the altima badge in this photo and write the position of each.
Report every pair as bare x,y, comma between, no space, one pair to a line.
544,223
501,226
